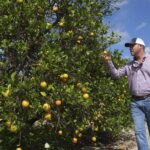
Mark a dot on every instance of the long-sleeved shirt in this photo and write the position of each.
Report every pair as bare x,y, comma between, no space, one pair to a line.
138,75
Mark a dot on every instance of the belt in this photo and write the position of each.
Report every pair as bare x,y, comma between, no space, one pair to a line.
140,97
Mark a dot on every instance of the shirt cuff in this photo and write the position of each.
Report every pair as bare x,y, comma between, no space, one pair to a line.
110,64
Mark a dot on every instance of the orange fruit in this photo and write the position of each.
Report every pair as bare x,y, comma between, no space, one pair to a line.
84,90
8,123
61,24
80,37
93,139
46,107
13,128
55,8
79,85
78,41
47,116
74,140
92,34
80,135
5,93
18,148
105,52
58,102
19,1
65,76
60,132
76,131
25,103
43,84
85,95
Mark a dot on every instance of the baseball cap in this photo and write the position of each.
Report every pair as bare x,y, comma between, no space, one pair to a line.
135,41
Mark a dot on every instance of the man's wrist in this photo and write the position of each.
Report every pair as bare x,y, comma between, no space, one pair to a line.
108,60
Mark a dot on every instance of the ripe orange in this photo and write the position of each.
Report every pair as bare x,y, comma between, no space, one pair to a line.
74,140
92,34
55,8
105,52
60,132
43,84
25,103
93,139
61,24
85,95
46,107
65,76
5,93
47,116
80,37
58,102
18,148
13,128
78,41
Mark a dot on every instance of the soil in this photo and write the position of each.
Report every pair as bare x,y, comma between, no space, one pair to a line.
127,142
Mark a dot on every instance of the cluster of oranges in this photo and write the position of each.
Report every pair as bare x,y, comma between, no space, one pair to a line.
83,90
26,104
80,38
11,126
47,107
78,134
64,77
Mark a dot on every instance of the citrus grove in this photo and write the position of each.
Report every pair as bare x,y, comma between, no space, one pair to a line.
55,90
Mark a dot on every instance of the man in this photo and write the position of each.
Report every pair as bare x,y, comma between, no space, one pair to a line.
138,73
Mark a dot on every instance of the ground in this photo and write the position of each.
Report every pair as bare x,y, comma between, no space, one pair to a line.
126,142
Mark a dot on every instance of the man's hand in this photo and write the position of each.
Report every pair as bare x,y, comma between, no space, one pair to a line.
105,56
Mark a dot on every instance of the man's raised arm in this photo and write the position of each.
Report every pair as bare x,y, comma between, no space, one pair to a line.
115,72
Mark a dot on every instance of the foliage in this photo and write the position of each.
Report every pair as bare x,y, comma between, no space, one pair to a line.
50,50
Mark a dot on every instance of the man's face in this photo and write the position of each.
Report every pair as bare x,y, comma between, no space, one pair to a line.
135,49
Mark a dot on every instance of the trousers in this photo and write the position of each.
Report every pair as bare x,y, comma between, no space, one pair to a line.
140,112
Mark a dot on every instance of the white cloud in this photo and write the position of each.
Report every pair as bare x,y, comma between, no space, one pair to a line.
125,36
121,3
140,26
120,30
147,50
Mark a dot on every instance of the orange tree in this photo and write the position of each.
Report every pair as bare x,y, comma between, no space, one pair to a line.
54,87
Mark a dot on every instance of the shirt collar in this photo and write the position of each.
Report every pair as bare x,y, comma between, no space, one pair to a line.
145,55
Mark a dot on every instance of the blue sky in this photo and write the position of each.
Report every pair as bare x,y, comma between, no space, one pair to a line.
132,20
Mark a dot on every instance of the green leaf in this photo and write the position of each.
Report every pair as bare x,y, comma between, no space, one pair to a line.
13,75
43,94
